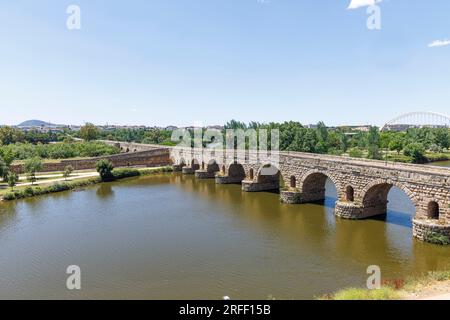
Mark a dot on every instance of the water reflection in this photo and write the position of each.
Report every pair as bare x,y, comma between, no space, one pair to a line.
170,236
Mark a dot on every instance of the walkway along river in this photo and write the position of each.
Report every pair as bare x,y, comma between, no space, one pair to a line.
173,237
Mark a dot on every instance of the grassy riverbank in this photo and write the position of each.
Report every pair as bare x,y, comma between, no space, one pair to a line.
118,174
429,286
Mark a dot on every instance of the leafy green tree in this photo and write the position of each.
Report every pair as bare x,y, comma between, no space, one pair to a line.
32,166
416,151
10,135
3,169
67,171
89,132
442,138
105,168
355,153
396,144
12,179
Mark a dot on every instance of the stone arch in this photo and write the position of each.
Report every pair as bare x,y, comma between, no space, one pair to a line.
312,185
433,210
236,170
212,166
195,164
374,196
269,174
349,194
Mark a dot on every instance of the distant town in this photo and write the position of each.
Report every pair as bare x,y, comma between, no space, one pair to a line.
47,127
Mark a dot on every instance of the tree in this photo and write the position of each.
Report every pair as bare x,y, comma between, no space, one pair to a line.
12,179
9,135
67,171
32,166
89,132
105,168
442,137
3,169
396,144
416,151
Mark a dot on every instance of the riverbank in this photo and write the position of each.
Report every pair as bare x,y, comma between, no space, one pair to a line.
433,286
59,186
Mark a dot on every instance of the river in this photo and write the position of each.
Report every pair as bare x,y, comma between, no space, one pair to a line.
172,237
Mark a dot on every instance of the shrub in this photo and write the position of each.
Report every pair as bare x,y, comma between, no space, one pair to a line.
355,153
437,238
125,173
9,196
416,151
105,168
28,192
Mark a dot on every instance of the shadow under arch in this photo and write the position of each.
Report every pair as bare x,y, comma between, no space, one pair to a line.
237,171
377,205
270,174
319,186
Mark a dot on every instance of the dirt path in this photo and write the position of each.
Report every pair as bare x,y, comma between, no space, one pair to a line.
435,291
71,178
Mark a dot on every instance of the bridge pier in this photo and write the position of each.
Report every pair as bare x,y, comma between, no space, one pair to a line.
191,169
228,179
348,210
205,174
290,197
430,231
251,186
177,167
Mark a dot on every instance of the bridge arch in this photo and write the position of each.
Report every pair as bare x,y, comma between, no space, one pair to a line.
374,196
312,185
268,173
212,166
236,170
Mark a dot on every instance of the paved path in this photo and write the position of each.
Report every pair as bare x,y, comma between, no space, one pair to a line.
71,178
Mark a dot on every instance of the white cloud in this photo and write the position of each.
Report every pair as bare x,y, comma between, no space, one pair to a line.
355,4
439,43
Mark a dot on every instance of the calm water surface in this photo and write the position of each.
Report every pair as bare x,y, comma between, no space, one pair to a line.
441,163
172,237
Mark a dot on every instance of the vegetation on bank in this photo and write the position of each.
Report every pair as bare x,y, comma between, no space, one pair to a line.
116,174
392,289
416,145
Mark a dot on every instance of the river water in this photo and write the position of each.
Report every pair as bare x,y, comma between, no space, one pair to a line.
173,237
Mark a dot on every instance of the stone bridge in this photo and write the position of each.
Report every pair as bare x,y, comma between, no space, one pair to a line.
362,185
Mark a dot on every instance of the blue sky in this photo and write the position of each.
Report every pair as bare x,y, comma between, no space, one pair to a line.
162,62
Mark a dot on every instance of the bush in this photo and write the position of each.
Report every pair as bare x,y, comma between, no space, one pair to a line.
9,196
125,173
355,153
437,238
105,168
28,192
416,151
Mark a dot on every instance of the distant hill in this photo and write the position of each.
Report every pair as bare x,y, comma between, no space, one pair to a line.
36,123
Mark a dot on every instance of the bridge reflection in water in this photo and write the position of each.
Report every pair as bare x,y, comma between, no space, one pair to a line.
176,237
362,185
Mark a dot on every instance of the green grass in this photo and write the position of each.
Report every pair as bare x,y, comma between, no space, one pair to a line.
118,174
385,293
391,290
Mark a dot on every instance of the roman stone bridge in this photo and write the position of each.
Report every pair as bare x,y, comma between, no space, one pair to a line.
362,185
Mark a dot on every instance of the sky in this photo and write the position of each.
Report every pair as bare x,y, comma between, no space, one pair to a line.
179,62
